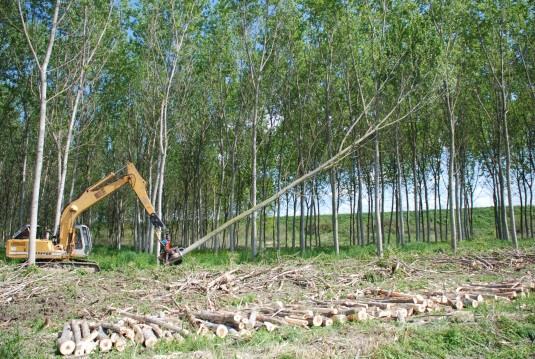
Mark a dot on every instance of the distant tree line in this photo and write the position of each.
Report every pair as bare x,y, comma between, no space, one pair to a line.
221,104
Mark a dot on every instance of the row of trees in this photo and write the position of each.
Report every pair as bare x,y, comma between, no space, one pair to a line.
221,105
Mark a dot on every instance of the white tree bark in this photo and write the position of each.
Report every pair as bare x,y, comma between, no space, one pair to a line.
378,204
43,87
87,57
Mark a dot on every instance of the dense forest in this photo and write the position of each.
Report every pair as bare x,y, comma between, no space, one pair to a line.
221,104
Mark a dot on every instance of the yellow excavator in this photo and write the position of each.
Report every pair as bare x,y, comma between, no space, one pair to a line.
73,243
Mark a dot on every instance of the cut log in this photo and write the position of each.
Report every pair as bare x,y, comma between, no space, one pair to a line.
326,311
120,344
455,303
348,303
356,314
220,330
159,322
265,318
314,321
379,313
355,295
138,334
157,330
79,348
66,343
470,303
252,320
399,300
232,319
149,338
381,305
104,343
296,321
85,331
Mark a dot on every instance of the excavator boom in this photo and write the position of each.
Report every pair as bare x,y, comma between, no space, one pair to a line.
66,247
97,193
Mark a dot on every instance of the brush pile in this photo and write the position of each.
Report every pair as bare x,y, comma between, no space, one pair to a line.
80,337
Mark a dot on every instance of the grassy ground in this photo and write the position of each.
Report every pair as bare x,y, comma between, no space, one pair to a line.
31,316
30,320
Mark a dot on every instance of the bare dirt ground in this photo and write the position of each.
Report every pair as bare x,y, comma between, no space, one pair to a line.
34,304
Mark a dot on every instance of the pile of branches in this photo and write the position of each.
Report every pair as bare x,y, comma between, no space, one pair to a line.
492,261
21,284
81,337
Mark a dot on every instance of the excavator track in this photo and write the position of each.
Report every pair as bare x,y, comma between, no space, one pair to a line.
69,264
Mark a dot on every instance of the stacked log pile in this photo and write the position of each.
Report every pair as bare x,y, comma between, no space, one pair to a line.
80,337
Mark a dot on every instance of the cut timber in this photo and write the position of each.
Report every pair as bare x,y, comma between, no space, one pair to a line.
416,298
399,300
104,343
79,348
296,321
66,345
455,303
266,318
84,326
157,330
348,303
355,314
149,338
252,320
232,319
138,334
158,322
380,313
470,303
317,310
327,322
120,329
219,330
315,320
120,344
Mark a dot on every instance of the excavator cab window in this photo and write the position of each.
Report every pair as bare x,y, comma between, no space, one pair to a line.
87,239
83,239
79,238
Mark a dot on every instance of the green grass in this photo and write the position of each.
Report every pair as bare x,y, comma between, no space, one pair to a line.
500,331
111,258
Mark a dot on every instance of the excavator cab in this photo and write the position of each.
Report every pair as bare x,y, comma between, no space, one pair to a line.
84,242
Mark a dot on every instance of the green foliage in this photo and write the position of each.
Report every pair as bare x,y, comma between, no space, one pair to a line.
11,343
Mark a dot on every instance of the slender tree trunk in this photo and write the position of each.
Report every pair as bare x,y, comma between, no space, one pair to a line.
378,204
63,166
43,86
508,177
451,186
401,228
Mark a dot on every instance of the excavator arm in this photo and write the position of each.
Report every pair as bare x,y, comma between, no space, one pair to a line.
97,192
